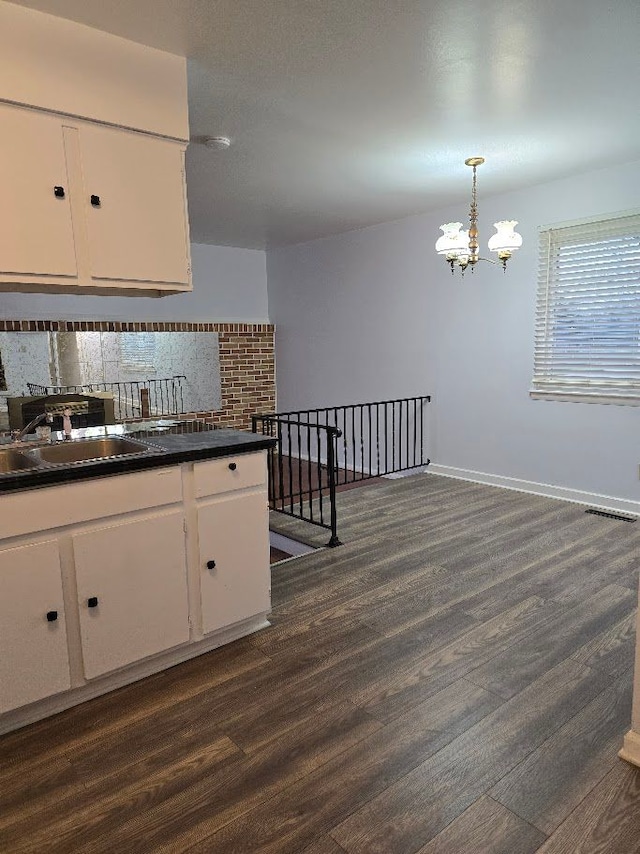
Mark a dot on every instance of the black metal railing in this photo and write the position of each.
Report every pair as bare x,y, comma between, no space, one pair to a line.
131,399
321,449
303,484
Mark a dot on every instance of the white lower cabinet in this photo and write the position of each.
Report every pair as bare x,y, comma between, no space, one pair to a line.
151,568
234,559
34,660
132,591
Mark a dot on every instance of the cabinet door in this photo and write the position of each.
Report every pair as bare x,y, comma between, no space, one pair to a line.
132,591
139,230
34,661
36,237
234,559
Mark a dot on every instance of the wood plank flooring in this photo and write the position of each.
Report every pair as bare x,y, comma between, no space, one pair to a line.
455,679
276,555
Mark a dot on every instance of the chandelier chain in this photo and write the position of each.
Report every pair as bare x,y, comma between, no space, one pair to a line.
473,220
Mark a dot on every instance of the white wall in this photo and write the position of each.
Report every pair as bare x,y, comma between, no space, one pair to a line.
228,285
351,314
375,314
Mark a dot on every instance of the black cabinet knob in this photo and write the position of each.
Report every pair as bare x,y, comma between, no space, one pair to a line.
52,616
95,201
211,564
233,466
58,192
92,602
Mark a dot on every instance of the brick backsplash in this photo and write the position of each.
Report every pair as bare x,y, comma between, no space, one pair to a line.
247,359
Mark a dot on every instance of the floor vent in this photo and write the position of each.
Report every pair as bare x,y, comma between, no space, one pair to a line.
618,516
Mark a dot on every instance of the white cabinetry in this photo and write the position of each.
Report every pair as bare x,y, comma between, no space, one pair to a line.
108,580
134,562
132,591
95,115
234,559
36,238
34,661
93,209
233,539
136,223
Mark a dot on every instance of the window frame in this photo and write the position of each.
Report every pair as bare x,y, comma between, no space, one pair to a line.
561,327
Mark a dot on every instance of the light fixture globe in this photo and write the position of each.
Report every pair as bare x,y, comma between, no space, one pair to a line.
506,238
454,240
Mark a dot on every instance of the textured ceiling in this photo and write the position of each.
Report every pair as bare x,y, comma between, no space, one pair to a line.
346,113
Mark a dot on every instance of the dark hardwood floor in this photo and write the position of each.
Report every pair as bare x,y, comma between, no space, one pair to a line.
276,555
455,679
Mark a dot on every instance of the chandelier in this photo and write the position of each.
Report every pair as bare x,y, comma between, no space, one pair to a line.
460,247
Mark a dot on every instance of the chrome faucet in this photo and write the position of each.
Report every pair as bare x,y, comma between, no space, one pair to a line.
18,435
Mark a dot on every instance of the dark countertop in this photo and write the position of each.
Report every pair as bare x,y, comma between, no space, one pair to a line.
168,443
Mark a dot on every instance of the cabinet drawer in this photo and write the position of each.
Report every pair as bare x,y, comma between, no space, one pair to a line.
228,473
56,506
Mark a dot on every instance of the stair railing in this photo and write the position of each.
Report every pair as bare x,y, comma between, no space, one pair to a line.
323,448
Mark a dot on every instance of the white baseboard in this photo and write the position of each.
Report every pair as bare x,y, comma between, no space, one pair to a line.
593,499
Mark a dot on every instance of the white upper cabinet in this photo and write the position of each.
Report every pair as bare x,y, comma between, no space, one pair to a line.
90,208
95,116
36,237
134,204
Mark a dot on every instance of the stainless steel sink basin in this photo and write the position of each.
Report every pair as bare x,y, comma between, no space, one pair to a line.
81,450
12,460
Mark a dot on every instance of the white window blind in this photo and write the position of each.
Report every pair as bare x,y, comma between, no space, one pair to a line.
587,337
138,351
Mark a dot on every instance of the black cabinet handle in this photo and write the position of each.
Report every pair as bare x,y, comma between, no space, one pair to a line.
233,466
211,564
92,602
52,616
95,201
58,192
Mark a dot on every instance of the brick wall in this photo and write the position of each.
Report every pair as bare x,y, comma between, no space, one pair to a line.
247,359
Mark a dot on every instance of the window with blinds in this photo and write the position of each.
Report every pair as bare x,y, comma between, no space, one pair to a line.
587,337
138,351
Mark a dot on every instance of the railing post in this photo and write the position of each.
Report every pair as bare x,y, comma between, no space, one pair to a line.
144,402
332,436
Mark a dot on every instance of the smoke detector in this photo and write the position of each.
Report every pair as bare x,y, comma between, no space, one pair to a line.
217,143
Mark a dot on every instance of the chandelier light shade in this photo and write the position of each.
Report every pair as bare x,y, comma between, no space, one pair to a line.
454,240
460,247
506,238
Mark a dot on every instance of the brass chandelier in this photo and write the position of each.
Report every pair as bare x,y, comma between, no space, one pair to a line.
460,247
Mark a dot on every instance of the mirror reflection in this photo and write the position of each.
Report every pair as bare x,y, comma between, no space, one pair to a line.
132,374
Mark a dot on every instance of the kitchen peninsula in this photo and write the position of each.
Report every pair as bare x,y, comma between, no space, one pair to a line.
124,551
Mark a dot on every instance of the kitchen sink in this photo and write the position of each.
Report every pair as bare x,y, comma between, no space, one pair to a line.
81,450
12,460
